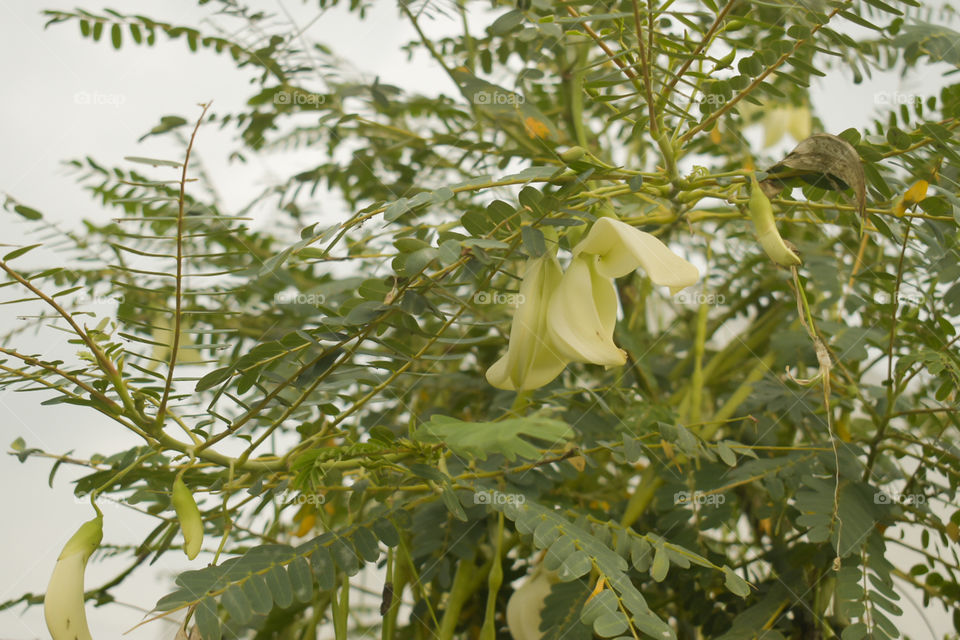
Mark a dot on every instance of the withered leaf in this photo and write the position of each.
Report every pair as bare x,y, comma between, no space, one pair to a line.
825,161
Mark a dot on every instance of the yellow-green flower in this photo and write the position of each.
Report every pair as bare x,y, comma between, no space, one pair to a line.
583,314
571,317
531,360
622,249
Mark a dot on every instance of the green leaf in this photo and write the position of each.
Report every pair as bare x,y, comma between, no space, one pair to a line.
726,454
661,564
300,580
575,565
115,36
323,568
610,624
16,253
936,206
558,552
154,161
533,241
27,212
856,631
208,622
258,594
506,22
453,503
386,532
601,604
279,584
236,603
480,439
345,556
736,584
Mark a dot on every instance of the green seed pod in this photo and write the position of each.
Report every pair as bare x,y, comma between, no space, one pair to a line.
191,523
573,153
761,212
63,603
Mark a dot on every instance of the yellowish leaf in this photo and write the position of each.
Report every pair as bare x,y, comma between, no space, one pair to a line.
535,128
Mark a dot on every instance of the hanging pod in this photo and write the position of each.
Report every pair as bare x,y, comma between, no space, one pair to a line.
63,607
761,212
191,522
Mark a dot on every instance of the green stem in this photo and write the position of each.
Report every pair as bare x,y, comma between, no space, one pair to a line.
520,403
341,610
463,585
494,579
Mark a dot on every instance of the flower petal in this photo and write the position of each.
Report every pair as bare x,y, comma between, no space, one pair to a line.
583,314
623,248
531,360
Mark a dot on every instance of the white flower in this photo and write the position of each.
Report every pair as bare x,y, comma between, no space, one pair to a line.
570,317
525,606
531,360
622,249
583,314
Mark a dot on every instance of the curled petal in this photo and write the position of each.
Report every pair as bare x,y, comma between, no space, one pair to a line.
525,607
583,314
531,360
622,249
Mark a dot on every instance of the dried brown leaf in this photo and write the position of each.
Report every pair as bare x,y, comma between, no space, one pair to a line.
825,161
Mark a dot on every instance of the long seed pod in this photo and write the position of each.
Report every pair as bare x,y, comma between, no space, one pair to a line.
761,212
63,604
191,522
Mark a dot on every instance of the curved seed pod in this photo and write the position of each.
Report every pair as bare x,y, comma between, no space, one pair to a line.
63,604
761,212
191,522
573,153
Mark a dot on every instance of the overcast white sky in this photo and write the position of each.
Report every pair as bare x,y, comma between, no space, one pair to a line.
65,97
